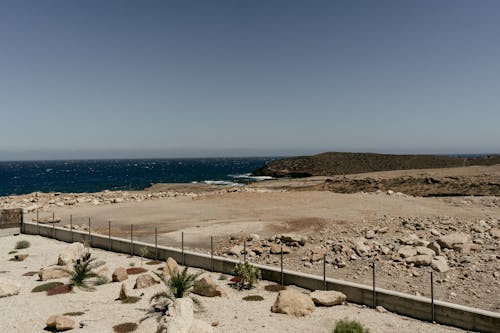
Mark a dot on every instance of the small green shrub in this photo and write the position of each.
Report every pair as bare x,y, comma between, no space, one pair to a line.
177,286
247,275
46,287
82,272
100,280
22,244
131,264
349,326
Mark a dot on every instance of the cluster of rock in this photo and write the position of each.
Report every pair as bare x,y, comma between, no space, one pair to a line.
301,302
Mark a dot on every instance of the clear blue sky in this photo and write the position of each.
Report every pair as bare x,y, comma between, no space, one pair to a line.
176,78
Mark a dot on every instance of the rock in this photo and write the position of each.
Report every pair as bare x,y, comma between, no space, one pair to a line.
117,200
70,254
425,250
435,232
495,233
439,264
119,275
381,309
123,292
21,257
276,249
434,246
144,281
9,288
293,303
328,297
207,287
60,323
419,260
453,239
370,234
407,251
317,254
237,250
258,250
199,326
52,272
385,250
179,318
411,239
171,266
293,238
481,227
360,247
254,238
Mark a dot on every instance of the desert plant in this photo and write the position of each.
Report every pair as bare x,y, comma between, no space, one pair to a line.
246,275
177,286
22,244
131,264
82,272
143,252
349,326
100,280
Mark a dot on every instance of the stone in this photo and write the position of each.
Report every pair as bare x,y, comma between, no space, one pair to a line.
171,266
293,238
381,309
258,250
144,281
254,238
370,234
236,250
439,264
123,292
9,288
179,319
328,297
207,287
435,232
199,326
481,227
317,254
360,247
419,260
425,250
385,250
434,246
411,239
21,257
407,251
119,275
453,239
71,254
60,323
293,303
52,272
495,233
276,249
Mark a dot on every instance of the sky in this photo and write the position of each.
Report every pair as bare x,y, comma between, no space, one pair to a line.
85,79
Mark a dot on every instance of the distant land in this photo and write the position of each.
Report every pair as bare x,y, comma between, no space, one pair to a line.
340,163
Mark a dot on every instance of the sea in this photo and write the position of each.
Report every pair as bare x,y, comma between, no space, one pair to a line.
76,176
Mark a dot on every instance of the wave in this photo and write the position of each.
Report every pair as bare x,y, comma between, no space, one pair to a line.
249,176
221,183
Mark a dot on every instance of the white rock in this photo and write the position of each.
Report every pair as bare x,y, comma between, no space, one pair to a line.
407,251
328,297
293,302
71,253
179,318
439,264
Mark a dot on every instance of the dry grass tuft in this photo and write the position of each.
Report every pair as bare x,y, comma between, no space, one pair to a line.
125,327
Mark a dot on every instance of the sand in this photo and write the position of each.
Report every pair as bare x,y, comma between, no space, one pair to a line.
27,312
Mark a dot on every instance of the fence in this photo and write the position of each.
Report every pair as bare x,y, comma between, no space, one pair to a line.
10,218
418,307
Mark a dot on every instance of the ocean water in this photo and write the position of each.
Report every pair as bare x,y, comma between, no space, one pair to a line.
20,177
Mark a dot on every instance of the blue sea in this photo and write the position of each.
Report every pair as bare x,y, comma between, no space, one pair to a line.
20,177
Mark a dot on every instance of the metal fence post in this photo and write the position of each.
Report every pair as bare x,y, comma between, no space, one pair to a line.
282,275
22,229
156,243
90,235
37,222
182,249
71,228
132,239
324,271
432,297
212,253
53,225
109,235
244,251
374,297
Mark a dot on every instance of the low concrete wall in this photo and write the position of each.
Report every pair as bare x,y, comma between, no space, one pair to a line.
404,304
10,218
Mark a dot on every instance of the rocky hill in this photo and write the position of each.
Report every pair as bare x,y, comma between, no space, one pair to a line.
330,164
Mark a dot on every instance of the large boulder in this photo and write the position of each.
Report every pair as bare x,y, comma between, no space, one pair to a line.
145,281
236,250
434,246
171,266
293,302
328,297
452,240
425,250
407,251
293,239
60,323
71,254
120,274
440,264
317,254
419,260
52,272
360,247
179,318
207,287
9,288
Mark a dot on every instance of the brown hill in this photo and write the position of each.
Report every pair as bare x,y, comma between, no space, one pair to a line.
330,164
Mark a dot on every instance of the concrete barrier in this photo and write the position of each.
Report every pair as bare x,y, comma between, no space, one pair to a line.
10,218
412,306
